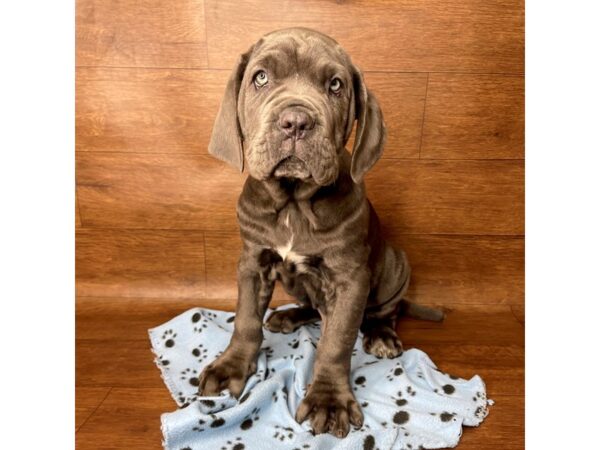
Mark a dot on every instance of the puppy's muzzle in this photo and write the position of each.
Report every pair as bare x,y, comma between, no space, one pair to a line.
296,123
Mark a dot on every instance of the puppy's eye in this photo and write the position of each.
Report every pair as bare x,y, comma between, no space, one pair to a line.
261,78
335,86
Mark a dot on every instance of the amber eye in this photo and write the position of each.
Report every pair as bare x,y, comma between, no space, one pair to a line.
261,79
335,86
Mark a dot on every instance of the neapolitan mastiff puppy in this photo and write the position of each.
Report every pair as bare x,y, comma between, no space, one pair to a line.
288,111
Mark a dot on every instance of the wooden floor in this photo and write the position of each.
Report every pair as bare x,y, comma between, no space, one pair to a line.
120,394
156,230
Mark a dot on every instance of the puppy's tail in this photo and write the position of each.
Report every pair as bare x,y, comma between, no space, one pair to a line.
416,311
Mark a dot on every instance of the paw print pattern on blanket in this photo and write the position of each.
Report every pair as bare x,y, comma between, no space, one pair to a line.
191,375
399,401
395,372
283,433
200,322
200,352
215,422
236,444
397,396
360,381
250,419
369,443
168,338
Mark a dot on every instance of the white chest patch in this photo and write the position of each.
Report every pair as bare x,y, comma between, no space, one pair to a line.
286,251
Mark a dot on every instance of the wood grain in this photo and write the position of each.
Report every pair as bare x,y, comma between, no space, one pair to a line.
87,400
130,318
104,363
173,111
116,363
199,192
128,419
449,197
474,117
519,313
385,35
157,191
144,34
147,110
120,319
151,263
402,100
453,270
447,270
77,213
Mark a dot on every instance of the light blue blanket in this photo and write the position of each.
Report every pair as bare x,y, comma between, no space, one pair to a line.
407,402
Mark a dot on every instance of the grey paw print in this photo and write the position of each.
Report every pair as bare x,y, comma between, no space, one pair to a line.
200,352
283,433
294,344
395,372
163,362
399,400
216,422
235,444
360,381
191,375
169,338
250,419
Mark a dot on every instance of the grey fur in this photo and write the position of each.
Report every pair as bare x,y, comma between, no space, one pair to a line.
305,219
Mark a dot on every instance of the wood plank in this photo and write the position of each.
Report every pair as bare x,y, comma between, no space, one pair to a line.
130,263
519,313
474,117
447,270
172,111
449,197
114,318
406,35
118,318
77,213
143,34
130,418
116,363
146,110
87,400
402,99
157,191
129,363
504,428
199,192
463,270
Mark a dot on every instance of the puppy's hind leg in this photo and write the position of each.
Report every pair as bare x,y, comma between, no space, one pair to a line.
380,338
289,320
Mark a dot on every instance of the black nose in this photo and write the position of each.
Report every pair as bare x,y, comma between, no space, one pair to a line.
296,123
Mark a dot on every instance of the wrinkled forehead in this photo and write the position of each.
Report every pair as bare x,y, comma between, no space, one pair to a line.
307,53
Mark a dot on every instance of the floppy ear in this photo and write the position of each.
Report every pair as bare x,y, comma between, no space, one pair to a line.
370,130
226,141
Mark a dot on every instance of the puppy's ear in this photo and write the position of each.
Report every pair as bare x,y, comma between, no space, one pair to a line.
226,141
370,130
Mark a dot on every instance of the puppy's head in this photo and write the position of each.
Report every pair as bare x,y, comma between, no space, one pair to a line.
289,108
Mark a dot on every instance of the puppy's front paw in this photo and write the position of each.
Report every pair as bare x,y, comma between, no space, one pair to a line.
228,371
330,408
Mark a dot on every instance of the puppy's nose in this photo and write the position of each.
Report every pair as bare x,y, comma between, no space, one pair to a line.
296,123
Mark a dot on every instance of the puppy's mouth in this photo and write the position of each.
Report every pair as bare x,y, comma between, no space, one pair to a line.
291,167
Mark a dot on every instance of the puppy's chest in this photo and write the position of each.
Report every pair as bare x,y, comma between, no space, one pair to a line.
294,242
